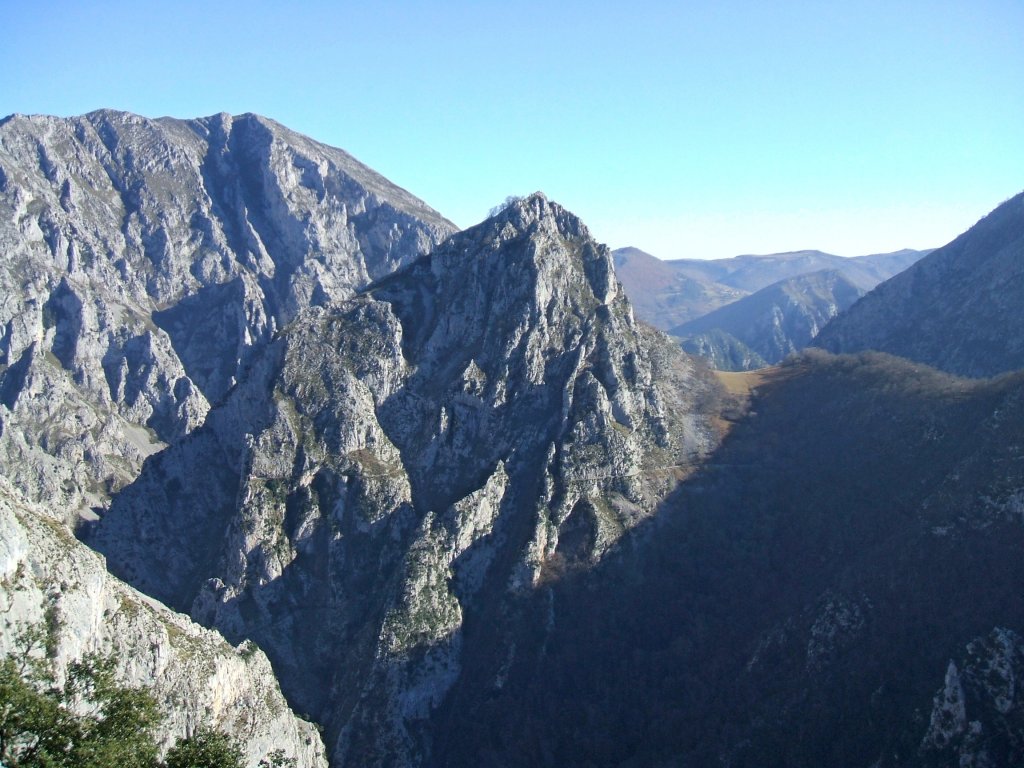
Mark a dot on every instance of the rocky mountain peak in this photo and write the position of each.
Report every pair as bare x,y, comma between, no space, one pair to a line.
540,247
462,429
529,211
147,262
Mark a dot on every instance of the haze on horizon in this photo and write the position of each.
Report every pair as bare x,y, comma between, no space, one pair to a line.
705,129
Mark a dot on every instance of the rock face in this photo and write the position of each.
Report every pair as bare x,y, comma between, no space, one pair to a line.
764,327
957,309
402,466
978,714
145,264
47,578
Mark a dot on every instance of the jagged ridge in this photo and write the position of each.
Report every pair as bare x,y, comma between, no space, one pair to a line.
403,462
146,261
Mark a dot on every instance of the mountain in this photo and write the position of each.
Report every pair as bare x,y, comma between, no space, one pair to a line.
959,309
400,470
445,496
752,273
838,584
670,293
145,264
665,296
764,327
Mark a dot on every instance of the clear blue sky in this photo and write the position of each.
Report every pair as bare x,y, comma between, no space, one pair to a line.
689,129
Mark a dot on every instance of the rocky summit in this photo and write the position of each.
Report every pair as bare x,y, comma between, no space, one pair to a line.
401,465
145,262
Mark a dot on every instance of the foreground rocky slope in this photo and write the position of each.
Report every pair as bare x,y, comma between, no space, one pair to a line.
958,309
145,262
48,579
401,467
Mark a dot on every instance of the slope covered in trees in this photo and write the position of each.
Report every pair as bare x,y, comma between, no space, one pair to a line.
798,602
958,309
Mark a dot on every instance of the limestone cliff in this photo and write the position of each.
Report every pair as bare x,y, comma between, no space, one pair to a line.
476,423
144,263
47,578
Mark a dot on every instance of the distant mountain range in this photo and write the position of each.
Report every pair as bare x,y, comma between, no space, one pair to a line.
750,311
667,294
960,309
663,294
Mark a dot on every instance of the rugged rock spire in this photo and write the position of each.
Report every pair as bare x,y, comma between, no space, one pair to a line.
466,428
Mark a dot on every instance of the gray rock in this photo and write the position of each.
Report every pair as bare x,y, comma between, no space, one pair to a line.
470,426
976,716
144,265
49,579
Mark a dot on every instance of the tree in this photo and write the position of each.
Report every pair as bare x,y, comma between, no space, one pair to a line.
509,202
118,728
206,749
34,728
277,759
92,721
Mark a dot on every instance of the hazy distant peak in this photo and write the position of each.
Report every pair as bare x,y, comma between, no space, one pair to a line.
631,251
786,255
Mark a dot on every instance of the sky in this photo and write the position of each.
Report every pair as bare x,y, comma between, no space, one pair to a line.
688,129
